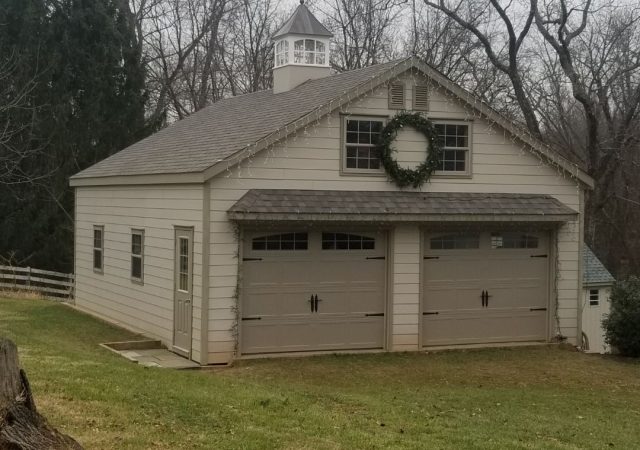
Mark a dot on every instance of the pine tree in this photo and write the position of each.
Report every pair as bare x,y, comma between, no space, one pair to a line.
90,99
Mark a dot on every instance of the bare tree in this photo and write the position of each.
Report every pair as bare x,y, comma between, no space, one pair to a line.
247,53
18,145
501,30
363,31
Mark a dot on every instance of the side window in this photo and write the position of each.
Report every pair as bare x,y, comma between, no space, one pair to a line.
98,248
454,139
137,255
344,241
286,241
361,137
513,240
309,51
455,242
282,53
594,297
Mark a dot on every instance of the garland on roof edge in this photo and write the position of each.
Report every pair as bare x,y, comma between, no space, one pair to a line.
401,176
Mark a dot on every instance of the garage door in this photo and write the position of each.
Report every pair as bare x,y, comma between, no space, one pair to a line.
485,287
312,291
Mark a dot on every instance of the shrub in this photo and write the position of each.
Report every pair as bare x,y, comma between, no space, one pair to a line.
622,324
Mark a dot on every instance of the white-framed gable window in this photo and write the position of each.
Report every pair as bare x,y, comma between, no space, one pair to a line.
309,51
282,53
360,137
455,140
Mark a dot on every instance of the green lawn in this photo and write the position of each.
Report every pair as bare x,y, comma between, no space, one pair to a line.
542,397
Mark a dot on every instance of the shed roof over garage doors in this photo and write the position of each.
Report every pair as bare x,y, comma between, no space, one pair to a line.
389,206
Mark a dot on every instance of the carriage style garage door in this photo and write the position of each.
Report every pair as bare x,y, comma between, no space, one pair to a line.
484,287
313,290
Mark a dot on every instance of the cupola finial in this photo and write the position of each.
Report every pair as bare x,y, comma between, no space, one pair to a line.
302,2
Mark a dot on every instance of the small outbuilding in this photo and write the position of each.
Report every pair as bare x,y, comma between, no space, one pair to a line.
268,224
597,282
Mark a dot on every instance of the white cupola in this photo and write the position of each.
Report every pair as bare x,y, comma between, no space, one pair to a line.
301,50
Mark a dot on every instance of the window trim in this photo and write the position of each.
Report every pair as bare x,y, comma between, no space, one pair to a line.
594,301
100,249
343,146
468,173
139,232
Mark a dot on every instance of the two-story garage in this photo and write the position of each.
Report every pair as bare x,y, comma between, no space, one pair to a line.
267,224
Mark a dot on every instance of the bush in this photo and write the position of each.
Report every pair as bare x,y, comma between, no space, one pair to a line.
622,324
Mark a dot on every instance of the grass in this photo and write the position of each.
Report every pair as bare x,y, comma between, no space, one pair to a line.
534,398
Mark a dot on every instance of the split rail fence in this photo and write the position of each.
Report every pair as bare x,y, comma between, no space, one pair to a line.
55,285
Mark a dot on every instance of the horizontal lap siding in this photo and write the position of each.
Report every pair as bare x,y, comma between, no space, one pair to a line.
311,160
147,308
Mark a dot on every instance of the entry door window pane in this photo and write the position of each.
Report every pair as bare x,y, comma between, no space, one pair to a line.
455,242
183,264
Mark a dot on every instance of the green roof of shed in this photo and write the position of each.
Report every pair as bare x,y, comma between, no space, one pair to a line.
594,272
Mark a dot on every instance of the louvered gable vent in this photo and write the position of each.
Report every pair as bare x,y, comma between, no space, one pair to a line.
420,98
396,96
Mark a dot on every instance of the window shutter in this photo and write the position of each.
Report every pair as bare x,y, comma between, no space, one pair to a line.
420,98
396,96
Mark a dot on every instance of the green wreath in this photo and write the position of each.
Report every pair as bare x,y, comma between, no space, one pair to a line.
401,176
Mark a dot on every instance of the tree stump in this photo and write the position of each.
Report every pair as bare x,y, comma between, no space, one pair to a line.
21,426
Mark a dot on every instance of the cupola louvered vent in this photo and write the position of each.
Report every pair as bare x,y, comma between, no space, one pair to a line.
421,98
396,96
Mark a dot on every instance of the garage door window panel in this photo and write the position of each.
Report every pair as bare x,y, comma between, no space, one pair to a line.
513,240
344,241
455,242
278,242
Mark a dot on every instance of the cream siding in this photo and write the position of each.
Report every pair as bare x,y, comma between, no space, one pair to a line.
311,159
146,308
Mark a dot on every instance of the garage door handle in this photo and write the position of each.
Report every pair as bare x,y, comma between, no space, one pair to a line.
312,303
374,315
430,313
252,318
376,257
537,309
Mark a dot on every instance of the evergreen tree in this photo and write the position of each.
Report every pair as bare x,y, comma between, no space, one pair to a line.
89,102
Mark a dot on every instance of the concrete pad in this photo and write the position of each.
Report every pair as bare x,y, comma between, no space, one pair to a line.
158,358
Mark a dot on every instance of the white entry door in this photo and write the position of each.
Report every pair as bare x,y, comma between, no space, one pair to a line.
485,287
183,291
310,291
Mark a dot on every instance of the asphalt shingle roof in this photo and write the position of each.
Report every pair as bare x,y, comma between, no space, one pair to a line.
594,272
218,131
287,204
303,22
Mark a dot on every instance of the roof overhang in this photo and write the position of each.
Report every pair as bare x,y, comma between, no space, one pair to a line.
127,180
282,205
